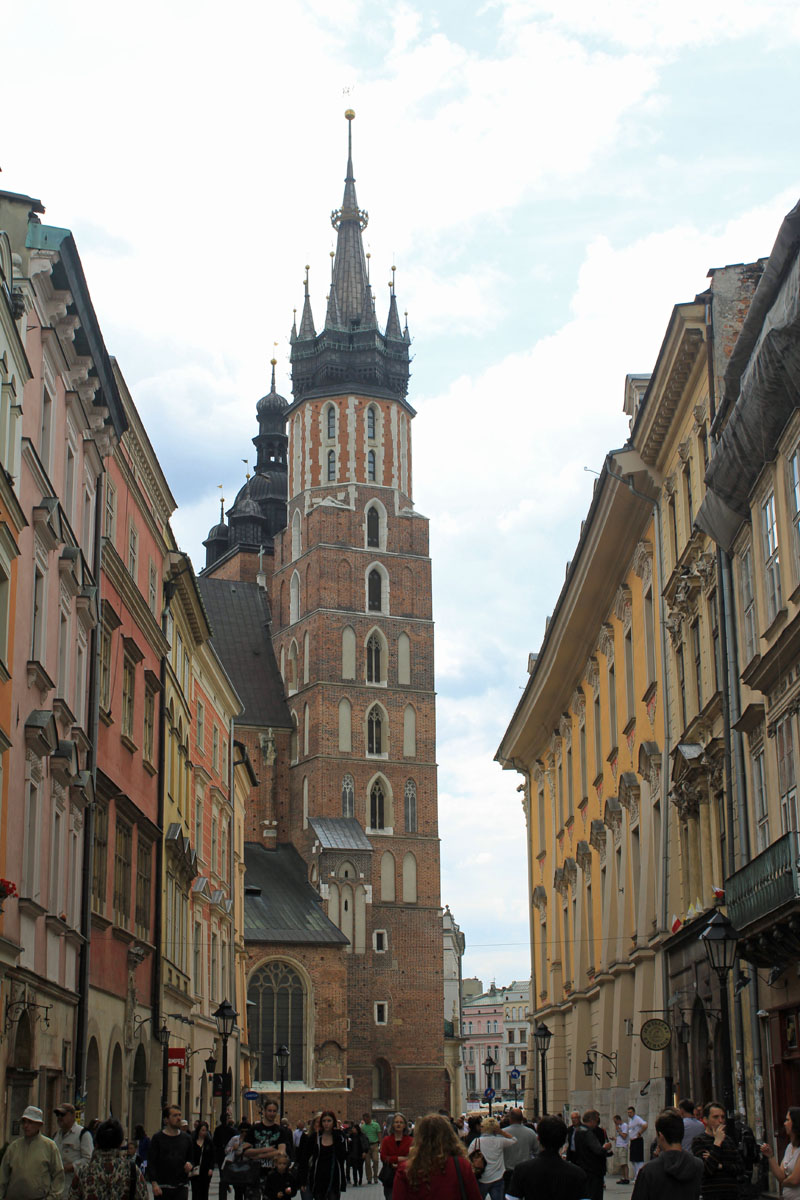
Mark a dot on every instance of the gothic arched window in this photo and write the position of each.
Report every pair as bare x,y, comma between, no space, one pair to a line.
374,731
373,527
371,422
348,796
331,466
276,1017
371,466
410,805
374,591
377,804
374,659
331,421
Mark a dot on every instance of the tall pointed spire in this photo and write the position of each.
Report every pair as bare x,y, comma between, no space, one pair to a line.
393,329
307,321
350,304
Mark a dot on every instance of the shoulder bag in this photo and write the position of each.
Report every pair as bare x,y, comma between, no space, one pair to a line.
477,1159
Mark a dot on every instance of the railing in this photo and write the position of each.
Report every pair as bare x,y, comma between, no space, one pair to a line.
767,882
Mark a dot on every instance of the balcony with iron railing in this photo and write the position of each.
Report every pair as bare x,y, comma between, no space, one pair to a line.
763,900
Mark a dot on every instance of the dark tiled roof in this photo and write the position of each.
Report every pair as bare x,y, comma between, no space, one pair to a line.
280,905
239,617
340,833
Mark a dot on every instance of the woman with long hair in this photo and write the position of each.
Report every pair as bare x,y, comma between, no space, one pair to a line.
203,1159
325,1177
394,1150
435,1162
787,1172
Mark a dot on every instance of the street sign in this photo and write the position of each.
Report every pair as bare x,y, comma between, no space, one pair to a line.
251,1095
515,1074
176,1057
489,1094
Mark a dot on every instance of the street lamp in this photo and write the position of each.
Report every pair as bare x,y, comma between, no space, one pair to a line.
225,1016
282,1062
489,1065
163,1037
542,1037
719,939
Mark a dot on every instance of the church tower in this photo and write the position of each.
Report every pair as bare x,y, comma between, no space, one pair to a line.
353,634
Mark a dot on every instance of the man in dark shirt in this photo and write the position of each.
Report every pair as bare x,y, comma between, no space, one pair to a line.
673,1174
268,1135
548,1174
722,1163
169,1159
591,1154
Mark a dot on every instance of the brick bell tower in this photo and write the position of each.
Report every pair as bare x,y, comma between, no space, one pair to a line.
353,635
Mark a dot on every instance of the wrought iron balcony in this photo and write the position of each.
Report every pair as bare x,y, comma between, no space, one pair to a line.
766,885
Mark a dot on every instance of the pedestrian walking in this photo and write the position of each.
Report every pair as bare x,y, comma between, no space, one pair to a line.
281,1182
787,1171
692,1128
619,1162
574,1126
494,1144
31,1167
111,1173
372,1132
325,1178
591,1153
357,1152
202,1162
674,1174
169,1163
74,1143
437,1167
722,1163
636,1128
394,1149
526,1143
548,1174
142,1147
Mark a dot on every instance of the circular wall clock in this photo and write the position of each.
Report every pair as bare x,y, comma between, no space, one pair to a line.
656,1034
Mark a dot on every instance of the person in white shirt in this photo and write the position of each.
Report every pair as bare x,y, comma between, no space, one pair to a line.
620,1160
636,1128
74,1143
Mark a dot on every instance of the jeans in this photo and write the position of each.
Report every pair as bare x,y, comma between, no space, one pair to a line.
495,1190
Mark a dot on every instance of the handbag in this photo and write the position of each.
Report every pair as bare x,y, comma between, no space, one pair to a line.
477,1159
240,1171
386,1174
461,1185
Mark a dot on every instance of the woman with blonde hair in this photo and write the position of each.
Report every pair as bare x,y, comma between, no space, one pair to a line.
436,1167
394,1150
493,1143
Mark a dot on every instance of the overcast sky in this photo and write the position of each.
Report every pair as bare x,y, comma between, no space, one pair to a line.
549,179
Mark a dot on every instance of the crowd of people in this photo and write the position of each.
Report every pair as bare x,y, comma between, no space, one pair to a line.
691,1154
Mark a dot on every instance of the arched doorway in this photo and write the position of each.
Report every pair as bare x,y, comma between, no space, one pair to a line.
702,1081
93,1082
139,1087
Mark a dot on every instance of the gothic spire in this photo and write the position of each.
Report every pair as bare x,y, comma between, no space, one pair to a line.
307,321
393,329
350,304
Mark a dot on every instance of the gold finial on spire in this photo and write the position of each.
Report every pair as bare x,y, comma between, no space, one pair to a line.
221,505
349,114
247,464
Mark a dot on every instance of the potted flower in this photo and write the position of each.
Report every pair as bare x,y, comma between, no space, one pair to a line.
7,888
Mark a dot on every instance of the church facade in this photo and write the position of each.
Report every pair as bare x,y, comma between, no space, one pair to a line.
319,593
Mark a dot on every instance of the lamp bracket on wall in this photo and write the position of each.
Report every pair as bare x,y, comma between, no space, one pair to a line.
590,1063
15,1009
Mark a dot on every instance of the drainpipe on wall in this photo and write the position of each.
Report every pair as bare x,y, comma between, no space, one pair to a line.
93,708
158,908
735,780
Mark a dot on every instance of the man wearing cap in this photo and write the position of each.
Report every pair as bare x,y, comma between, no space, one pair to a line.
31,1167
74,1142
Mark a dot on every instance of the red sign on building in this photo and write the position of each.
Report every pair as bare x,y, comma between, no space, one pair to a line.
176,1057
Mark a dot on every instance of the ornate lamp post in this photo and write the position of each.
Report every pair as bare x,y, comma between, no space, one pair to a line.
282,1062
225,1016
719,938
489,1065
163,1037
542,1037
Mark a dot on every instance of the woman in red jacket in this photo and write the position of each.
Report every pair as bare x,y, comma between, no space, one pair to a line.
394,1150
436,1160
